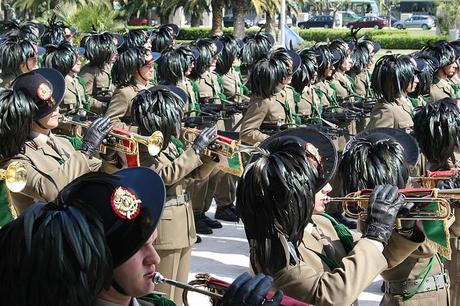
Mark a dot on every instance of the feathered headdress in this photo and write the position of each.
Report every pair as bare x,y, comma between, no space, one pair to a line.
173,63
256,47
14,52
127,64
304,76
62,57
54,32
228,55
100,48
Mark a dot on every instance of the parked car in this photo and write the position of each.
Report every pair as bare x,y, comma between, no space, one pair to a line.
138,22
229,20
424,22
348,16
324,21
392,18
368,22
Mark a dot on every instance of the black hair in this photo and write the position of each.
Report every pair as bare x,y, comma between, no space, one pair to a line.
275,199
303,76
173,63
127,64
100,48
256,47
443,51
228,55
265,77
14,52
158,110
203,62
391,76
21,30
341,48
425,75
437,129
324,59
162,38
15,123
62,57
54,255
136,38
369,161
54,33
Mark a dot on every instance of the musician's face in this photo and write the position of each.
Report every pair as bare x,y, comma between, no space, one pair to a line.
320,203
135,275
412,85
346,64
50,121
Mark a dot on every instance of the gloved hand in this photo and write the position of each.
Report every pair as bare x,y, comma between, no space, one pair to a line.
207,136
95,134
247,290
384,205
453,182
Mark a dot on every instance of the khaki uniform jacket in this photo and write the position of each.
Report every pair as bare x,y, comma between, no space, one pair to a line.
6,80
308,100
119,110
49,170
176,229
134,302
396,114
97,80
186,86
326,91
262,110
232,90
362,83
208,86
343,85
312,281
440,89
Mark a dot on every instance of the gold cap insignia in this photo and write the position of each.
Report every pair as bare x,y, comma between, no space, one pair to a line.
44,92
125,203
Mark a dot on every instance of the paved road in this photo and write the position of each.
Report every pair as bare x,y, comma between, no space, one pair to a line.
225,255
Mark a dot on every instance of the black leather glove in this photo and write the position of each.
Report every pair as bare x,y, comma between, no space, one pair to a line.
247,290
453,182
207,136
384,205
95,134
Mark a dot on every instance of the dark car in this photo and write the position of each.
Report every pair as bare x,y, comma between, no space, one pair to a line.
368,22
229,20
324,21
392,18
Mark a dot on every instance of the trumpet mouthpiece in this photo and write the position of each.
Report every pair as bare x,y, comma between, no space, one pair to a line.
158,278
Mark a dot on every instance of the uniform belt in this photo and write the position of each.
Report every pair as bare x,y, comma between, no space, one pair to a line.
432,283
177,200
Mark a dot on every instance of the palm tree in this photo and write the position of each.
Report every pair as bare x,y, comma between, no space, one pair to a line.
217,16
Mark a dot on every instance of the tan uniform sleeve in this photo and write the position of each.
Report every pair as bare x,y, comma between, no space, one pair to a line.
454,229
381,116
252,121
400,247
117,109
175,171
360,268
45,186
89,81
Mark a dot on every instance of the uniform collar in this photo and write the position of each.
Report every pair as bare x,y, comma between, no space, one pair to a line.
40,139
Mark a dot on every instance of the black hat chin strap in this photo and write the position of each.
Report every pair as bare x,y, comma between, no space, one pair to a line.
140,74
118,288
41,125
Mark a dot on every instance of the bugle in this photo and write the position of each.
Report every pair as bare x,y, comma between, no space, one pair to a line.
431,179
125,141
355,204
15,176
213,288
223,146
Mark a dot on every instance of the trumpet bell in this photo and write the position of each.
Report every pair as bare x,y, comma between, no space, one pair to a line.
155,143
15,176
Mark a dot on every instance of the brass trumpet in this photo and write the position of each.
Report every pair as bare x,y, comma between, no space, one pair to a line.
432,178
15,176
355,204
223,146
126,141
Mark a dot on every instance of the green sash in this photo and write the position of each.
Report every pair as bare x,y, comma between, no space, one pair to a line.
346,238
157,300
196,90
424,275
5,212
86,101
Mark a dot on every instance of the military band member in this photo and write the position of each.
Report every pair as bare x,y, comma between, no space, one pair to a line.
255,47
174,67
309,104
325,60
159,109
276,208
76,102
343,85
439,146
131,72
358,73
137,38
394,76
17,55
391,151
100,50
51,162
269,103
426,67
54,33
130,204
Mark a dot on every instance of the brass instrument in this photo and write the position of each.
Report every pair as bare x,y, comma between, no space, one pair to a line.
126,141
227,149
15,176
355,204
432,178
